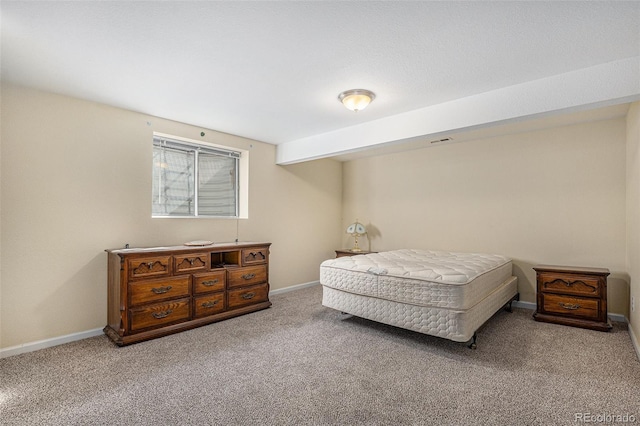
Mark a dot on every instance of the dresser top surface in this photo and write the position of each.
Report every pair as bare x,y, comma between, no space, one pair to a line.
570,269
208,247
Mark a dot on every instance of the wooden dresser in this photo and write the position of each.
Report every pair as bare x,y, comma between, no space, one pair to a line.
157,291
572,296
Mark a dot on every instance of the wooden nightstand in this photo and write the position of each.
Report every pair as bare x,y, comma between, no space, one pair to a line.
348,252
572,296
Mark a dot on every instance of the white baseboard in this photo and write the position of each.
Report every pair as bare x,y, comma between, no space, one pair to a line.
618,318
524,305
634,341
294,287
48,343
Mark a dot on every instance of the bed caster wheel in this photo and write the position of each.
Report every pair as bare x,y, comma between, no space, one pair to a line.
472,343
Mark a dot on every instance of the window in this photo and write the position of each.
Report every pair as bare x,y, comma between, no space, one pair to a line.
194,180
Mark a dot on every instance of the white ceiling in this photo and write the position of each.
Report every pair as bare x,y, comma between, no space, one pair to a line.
272,71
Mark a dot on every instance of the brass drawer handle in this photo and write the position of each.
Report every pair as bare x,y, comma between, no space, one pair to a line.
569,307
210,304
161,290
248,296
209,283
162,314
248,276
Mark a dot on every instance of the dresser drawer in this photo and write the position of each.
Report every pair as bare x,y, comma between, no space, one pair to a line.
209,304
146,267
160,314
210,281
254,256
191,262
141,292
247,276
248,295
570,284
572,306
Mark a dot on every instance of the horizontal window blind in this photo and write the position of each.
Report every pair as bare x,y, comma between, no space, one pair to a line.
193,180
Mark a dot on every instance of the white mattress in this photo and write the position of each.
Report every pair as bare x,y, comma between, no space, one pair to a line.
419,277
456,325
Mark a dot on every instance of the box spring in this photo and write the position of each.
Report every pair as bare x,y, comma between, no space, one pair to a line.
444,294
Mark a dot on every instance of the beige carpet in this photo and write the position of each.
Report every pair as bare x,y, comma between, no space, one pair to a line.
299,363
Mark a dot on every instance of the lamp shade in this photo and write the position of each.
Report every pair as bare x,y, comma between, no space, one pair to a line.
356,228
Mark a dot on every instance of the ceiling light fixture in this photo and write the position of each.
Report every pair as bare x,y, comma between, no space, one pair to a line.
356,99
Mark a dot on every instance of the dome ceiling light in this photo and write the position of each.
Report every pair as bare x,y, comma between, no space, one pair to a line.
356,99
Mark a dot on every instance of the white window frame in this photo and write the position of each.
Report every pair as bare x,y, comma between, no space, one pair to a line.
242,174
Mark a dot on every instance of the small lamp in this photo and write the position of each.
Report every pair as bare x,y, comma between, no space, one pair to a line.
356,230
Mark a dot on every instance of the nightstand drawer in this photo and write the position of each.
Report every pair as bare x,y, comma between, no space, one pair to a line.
573,306
570,284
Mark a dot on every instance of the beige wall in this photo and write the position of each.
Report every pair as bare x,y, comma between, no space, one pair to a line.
633,212
554,196
76,180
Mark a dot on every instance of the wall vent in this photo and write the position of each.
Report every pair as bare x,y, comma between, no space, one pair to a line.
441,140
